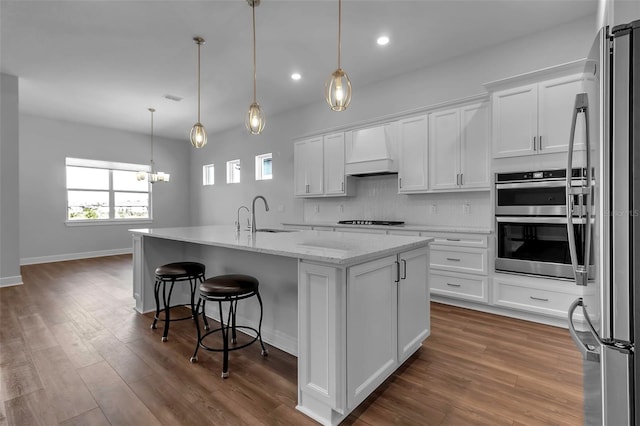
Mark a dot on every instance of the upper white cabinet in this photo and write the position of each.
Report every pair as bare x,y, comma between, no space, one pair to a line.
459,147
536,118
308,167
413,155
319,166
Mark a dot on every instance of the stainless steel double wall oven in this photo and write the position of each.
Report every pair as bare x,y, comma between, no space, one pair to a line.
531,222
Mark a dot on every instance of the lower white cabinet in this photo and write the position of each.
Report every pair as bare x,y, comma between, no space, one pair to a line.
459,286
544,296
357,324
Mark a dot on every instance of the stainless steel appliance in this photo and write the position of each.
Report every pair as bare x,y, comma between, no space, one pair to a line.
611,304
531,221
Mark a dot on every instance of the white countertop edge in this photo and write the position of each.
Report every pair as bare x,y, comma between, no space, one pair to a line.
419,228
168,234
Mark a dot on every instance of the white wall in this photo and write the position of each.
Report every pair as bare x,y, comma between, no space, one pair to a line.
44,145
457,78
9,178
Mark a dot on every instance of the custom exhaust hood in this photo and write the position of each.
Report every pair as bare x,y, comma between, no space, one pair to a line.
371,152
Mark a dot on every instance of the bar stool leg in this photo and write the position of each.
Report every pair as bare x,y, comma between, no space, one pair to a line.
156,290
264,351
225,341
167,309
194,357
234,307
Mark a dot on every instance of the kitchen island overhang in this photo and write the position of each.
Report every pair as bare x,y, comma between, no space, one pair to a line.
352,307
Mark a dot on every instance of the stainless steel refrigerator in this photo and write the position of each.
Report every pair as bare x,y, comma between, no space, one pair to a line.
611,302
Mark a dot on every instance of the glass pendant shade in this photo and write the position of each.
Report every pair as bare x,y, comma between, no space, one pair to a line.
255,119
337,90
198,135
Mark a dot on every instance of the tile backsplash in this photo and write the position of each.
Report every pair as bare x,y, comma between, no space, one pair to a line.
377,198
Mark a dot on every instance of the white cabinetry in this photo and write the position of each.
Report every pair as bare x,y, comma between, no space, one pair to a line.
459,147
459,266
544,296
387,318
319,166
413,155
308,167
536,118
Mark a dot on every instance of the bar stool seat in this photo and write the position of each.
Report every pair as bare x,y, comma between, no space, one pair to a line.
170,274
228,288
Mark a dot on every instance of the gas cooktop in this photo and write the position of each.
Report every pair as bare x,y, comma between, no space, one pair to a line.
371,222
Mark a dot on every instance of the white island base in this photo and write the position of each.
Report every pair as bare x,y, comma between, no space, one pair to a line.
352,307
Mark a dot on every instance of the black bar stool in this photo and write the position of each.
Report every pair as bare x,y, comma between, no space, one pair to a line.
227,288
172,273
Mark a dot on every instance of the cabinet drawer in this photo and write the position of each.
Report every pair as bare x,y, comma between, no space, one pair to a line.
459,286
545,300
459,259
362,230
451,239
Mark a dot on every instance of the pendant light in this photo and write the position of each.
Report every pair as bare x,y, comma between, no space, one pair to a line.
198,134
337,89
153,176
254,121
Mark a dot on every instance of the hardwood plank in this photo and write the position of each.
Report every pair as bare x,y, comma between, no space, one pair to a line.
31,409
118,402
78,350
90,418
64,388
18,380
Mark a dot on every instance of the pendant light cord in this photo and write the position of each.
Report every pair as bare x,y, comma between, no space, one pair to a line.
253,9
199,43
152,110
339,29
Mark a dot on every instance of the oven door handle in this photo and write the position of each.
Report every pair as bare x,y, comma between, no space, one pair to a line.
539,219
581,272
533,184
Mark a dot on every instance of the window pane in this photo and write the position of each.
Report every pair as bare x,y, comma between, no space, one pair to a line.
233,171
87,205
208,174
131,205
266,168
125,180
87,178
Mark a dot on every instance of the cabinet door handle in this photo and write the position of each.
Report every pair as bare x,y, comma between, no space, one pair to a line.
453,285
404,269
541,299
457,178
534,144
307,188
397,272
343,186
539,143
461,179
453,239
400,182
453,259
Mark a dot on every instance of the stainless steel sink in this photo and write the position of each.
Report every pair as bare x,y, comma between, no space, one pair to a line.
274,230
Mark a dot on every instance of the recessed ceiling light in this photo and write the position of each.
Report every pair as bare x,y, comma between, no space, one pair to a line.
383,40
296,76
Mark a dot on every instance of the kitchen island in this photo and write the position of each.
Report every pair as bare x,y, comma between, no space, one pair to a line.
352,307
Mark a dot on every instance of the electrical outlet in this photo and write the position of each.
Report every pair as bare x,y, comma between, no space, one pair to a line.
466,208
341,208
434,209
317,208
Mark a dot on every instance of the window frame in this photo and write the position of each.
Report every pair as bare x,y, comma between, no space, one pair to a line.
260,175
230,164
205,174
111,166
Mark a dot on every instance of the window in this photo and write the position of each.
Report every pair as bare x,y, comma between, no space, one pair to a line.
208,174
263,167
233,171
99,191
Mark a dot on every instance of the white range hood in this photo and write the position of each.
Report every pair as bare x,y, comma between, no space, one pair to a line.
371,151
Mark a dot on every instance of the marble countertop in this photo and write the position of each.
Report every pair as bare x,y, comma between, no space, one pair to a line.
340,248
405,227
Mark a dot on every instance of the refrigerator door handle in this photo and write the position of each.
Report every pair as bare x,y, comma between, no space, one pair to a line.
581,272
589,352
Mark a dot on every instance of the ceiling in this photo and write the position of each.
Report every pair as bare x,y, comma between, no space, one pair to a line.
106,62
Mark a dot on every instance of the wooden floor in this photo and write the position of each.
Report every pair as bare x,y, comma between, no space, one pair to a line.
74,352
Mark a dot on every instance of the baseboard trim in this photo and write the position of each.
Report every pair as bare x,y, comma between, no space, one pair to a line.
11,281
74,256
